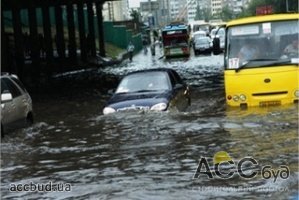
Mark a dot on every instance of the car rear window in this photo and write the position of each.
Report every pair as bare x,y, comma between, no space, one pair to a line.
19,83
13,89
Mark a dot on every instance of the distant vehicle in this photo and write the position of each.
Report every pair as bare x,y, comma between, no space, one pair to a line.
213,33
16,104
197,34
220,33
154,89
202,45
176,40
257,70
200,25
217,23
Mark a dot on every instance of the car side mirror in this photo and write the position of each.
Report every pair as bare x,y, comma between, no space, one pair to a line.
6,97
216,45
178,86
111,91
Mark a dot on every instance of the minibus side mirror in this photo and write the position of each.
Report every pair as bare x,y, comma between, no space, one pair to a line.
216,45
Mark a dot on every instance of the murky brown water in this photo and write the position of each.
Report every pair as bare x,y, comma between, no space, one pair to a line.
150,155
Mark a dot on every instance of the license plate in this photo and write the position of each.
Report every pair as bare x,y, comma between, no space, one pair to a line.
270,103
175,51
133,108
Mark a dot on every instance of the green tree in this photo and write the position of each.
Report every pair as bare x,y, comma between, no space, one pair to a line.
207,14
199,14
226,14
135,15
203,14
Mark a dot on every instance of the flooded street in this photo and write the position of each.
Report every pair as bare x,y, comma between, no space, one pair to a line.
147,155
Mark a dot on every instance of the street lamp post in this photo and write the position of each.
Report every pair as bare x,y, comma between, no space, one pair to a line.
150,20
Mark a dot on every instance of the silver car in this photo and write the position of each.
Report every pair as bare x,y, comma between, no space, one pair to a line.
16,104
202,45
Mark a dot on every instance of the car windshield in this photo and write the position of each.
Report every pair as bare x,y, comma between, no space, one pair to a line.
144,82
203,40
262,44
199,34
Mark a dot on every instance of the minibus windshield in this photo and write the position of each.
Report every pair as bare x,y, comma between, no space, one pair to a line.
262,45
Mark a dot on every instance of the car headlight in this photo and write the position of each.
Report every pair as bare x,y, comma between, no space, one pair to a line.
108,110
159,106
242,97
236,98
296,93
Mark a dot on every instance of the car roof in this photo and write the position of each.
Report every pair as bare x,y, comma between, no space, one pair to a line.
203,38
5,74
199,32
152,70
263,18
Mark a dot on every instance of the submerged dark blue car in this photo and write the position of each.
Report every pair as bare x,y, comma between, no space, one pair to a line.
154,89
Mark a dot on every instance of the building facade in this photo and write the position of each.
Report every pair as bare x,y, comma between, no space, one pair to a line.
166,11
178,10
193,5
216,6
116,10
237,6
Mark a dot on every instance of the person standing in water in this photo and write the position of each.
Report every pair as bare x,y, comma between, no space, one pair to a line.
130,50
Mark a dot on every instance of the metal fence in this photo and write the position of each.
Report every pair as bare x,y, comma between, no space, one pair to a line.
118,35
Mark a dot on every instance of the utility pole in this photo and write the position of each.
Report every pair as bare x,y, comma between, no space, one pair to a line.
150,20
150,6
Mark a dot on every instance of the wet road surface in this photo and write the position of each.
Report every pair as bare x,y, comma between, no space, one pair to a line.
147,155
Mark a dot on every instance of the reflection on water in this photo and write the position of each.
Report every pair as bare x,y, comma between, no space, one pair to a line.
148,155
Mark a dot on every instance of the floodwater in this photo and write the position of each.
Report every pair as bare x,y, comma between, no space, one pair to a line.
148,155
